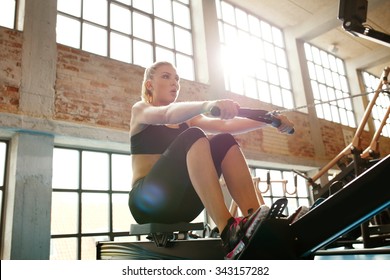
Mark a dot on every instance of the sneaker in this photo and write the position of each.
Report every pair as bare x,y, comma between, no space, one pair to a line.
238,231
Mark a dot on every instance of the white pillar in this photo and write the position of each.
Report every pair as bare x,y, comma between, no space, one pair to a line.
28,197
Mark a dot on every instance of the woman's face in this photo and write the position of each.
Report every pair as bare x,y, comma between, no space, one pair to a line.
164,85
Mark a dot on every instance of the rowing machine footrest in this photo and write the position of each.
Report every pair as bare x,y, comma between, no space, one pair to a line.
160,234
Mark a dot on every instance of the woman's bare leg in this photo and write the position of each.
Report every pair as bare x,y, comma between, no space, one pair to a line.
205,180
239,180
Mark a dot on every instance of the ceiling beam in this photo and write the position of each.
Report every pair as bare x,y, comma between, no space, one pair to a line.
371,58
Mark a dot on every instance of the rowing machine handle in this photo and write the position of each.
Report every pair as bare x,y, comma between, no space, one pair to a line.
254,114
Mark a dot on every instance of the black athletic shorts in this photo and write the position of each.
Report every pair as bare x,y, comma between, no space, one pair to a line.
166,194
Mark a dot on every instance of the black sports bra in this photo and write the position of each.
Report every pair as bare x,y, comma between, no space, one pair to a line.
155,139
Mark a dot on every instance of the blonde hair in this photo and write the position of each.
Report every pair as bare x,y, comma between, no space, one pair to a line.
146,94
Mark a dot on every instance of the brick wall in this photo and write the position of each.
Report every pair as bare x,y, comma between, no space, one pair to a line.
98,91
10,69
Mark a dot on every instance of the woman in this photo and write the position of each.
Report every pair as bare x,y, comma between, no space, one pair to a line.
176,166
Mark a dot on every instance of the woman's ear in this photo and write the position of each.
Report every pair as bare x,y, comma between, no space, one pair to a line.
148,85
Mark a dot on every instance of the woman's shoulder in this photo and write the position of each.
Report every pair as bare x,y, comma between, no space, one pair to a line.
140,104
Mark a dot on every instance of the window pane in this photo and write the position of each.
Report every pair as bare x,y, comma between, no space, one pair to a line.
351,119
276,96
121,172
327,112
95,212
343,117
164,33
142,27
273,73
250,87
94,39
302,187
121,214
230,34
261,72
143,53
163,9
185,65
266,32
71,7
284,78
183,41
68,31
277,37
95,11
3,149
312,70
316,91
228,13
120,19
324,59
63,249
254,25
281,58
64,213
181,15
95,171
319,111
66,168
308,53
335,114
264,91
242,20
120,47
7,13
328,77
165,55
143,5
88,246
288,101
269,52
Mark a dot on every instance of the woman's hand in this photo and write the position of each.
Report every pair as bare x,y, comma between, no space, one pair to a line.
286,126
228,109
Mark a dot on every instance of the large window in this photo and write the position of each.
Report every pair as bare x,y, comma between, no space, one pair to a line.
8,13
253,56
134,31
382,103
89,201
3,160
330,86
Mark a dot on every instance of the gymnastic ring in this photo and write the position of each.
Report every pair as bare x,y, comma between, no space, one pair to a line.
285,189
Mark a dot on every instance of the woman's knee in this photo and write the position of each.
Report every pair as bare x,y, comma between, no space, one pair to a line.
194,133
220,145
186,140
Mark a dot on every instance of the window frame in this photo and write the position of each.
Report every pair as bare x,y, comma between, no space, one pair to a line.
257,84
3,187
79,235
330,86
178,57
379,107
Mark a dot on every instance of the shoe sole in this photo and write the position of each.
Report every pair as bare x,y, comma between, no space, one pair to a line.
263,213
260,215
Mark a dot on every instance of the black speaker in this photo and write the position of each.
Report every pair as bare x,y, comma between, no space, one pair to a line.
353,11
